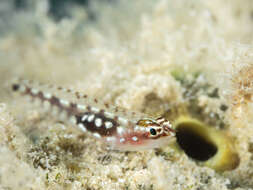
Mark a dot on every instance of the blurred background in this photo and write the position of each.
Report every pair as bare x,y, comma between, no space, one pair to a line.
154,56
56,9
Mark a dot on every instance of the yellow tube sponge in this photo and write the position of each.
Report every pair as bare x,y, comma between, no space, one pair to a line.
208,146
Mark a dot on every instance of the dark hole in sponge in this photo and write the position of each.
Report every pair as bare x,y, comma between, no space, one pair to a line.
194,145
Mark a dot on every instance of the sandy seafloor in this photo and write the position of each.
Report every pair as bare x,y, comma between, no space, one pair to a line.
126,55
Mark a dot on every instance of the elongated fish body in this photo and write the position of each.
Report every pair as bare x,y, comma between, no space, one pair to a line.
121,129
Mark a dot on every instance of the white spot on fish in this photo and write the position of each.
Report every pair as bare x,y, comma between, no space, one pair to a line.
120,130
110,139
47,95
98,122
34,91
64,102
108,124
97,135
82,127
121,140
123,121
109,115
91,117
81,107
136,128
95,110
84,117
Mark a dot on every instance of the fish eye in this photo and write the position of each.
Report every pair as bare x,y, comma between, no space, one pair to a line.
152,131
